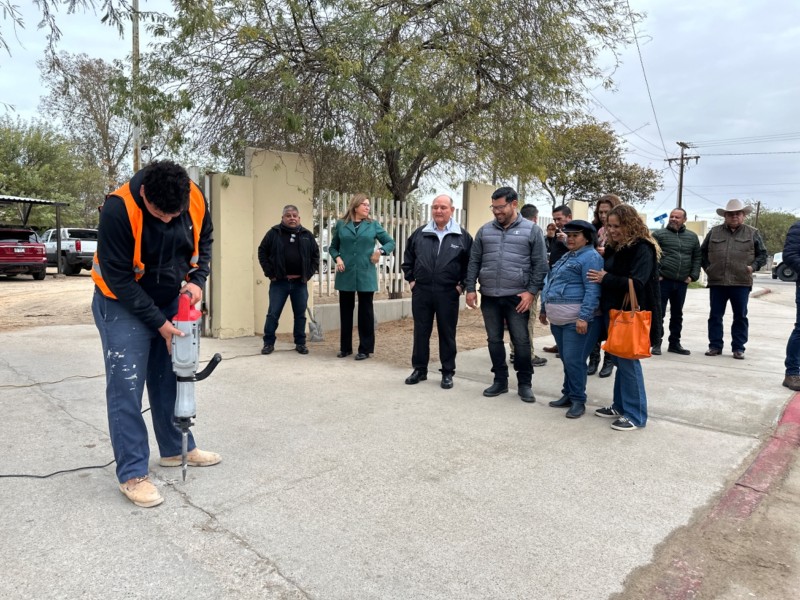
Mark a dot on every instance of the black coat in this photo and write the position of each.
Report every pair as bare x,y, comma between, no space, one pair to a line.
425,263
638,262
271,254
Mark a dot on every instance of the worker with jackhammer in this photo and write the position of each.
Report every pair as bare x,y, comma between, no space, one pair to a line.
154,242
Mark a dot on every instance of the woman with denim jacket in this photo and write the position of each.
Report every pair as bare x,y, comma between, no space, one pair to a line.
570,303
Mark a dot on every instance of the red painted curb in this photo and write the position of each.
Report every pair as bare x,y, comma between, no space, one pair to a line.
685,577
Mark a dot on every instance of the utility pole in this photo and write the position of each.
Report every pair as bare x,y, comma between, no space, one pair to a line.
682,161
137,141
758,210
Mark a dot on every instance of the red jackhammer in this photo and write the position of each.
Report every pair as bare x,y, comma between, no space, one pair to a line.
185,361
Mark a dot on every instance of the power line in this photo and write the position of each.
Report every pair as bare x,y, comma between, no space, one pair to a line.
621,122
644,74
751,139
750,153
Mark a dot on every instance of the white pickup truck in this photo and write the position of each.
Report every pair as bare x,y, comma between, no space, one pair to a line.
77,248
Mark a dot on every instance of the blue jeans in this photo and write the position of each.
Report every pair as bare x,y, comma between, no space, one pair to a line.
279,291
497,311
574,349
719,295
630,398
674,292
135,355
792,363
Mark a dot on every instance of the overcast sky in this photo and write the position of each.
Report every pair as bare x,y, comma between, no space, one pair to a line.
722,75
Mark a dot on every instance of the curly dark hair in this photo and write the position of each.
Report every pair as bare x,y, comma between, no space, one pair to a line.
612,200
166,185
632,227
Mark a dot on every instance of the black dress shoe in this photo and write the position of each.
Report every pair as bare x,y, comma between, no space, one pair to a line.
301,349
342,354
563,402
678,349
713,352
447,381
738,354
497,388
362,356
656,350
416,376
576,410
268,349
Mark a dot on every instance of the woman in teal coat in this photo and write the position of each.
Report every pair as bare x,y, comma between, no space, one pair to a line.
353,249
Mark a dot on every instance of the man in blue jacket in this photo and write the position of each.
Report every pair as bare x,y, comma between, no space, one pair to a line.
509,260
435,265
791,256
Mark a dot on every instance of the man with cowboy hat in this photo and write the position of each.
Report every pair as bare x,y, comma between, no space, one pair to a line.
730,254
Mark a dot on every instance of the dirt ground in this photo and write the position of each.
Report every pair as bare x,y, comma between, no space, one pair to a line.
67,301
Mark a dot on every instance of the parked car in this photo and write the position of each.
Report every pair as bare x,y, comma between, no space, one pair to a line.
77,248
782,271
22,252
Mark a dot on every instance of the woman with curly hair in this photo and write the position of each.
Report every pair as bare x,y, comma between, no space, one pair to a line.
631,253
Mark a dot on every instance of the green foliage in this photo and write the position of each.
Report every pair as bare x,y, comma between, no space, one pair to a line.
404,86
36,161
583,162
773,227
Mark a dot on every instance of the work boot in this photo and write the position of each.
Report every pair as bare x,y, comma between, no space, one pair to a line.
195,458
525,392
608,366
141,492
500,386
792,382
594,361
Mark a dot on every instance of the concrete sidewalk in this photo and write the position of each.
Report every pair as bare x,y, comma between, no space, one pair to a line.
340,482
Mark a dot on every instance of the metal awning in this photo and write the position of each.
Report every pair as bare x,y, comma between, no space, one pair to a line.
27,205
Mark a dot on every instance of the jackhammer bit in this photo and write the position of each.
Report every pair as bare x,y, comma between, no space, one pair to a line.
185,361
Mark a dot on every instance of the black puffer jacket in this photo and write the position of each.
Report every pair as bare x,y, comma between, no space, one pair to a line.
428,264
638,262
271,254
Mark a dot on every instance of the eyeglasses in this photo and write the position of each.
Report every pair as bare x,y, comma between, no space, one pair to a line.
573,233
499,207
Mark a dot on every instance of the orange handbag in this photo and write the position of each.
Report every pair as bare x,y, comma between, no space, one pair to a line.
629,330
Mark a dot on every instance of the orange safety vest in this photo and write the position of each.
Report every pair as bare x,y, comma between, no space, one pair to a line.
197,211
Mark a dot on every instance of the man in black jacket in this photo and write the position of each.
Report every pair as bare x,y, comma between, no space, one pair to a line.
289,257
791,256
435,265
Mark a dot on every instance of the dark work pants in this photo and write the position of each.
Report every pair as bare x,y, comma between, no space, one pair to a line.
719,295
792,363
427,303
674,292
366,322
497,312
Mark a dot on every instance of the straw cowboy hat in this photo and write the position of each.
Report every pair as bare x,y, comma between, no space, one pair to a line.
735,206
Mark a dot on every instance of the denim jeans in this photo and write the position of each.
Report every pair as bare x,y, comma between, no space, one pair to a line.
630,398
279,291
719,296
792,363
135,355
497,312
674,292
574,349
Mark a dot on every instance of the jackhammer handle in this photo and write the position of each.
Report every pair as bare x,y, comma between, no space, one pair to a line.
212,364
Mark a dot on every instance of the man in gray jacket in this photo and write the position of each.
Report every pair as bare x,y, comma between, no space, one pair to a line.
730,254
679,266
509,260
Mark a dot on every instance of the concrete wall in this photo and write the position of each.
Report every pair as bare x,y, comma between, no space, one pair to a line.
477,199
243,209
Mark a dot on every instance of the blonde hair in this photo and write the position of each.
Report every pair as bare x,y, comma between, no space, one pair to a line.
632,227
355,202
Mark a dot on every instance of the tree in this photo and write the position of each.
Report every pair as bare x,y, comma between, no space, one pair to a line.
404,85
583,162
36,161
82,92
772,225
